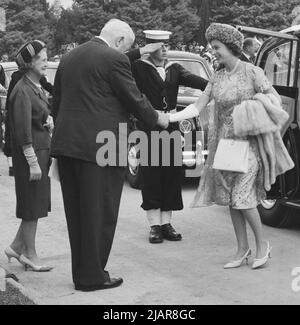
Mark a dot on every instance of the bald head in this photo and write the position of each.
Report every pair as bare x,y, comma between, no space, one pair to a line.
118,34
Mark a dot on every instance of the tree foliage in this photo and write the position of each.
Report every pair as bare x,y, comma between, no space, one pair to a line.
269,14
187,19
26,20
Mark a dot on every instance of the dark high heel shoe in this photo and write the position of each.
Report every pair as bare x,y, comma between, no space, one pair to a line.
29,265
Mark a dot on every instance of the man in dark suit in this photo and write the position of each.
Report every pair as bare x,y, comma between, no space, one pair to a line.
2,76
2,93
250,49
94,91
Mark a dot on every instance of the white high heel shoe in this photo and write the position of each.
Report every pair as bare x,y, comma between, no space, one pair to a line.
238,263
262,261
29,265
10,253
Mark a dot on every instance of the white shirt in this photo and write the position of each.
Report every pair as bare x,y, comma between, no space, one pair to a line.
104,40
162,72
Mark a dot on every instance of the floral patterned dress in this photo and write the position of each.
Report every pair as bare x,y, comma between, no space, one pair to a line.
237,190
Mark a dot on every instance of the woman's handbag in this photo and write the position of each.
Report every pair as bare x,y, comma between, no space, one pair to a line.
53,170
232,155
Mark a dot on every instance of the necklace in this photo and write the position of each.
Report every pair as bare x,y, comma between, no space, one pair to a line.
230,73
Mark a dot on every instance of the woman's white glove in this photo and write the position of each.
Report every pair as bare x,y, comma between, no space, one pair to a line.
189,112
35,172
34,167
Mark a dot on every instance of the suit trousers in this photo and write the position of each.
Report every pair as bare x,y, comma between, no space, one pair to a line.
91,197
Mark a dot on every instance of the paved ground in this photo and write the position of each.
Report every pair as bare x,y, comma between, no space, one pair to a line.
189,272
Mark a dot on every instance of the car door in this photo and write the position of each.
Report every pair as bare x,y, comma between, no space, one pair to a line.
279,58
280,62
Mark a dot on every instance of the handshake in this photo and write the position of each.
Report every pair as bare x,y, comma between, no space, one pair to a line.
163,119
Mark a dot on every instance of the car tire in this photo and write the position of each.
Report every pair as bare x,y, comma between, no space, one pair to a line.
134,180
133,173
273,213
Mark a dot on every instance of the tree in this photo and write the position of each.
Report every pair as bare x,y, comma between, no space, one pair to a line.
139,14
204,13
269,14
187,19
296,16
89,17
26,20
180,19
56,9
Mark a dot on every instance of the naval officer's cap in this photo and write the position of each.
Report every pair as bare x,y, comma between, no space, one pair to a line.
157,36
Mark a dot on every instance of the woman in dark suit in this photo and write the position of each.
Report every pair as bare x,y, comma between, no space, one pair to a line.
30,126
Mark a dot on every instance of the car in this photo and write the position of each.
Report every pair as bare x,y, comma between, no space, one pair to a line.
11,67
279,57
186,96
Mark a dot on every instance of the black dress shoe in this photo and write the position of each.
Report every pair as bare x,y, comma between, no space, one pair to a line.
112,283
155,236
170,233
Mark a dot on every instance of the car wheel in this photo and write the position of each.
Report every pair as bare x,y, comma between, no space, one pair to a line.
133,169
273,213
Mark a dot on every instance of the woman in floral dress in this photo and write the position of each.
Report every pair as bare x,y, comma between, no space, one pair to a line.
235,82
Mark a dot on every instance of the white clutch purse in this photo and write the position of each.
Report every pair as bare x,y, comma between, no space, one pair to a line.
232,155
53,170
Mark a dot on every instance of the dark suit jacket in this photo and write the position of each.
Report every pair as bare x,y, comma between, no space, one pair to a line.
157,90
2,76
94,91
163,94
15,77
28,112
244,58
133,55
46,85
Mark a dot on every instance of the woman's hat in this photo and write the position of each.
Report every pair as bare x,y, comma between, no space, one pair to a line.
28,51
224,33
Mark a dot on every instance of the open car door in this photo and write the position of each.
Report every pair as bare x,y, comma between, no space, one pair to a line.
279,58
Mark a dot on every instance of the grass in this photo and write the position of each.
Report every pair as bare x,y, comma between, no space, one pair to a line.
13,296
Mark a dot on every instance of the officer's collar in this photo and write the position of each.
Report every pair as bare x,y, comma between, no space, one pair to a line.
150,62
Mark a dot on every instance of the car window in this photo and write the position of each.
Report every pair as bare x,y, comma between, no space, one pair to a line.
50,74
277,65
196,68
8,74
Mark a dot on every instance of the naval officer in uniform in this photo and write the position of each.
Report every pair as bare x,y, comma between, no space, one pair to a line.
159,80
